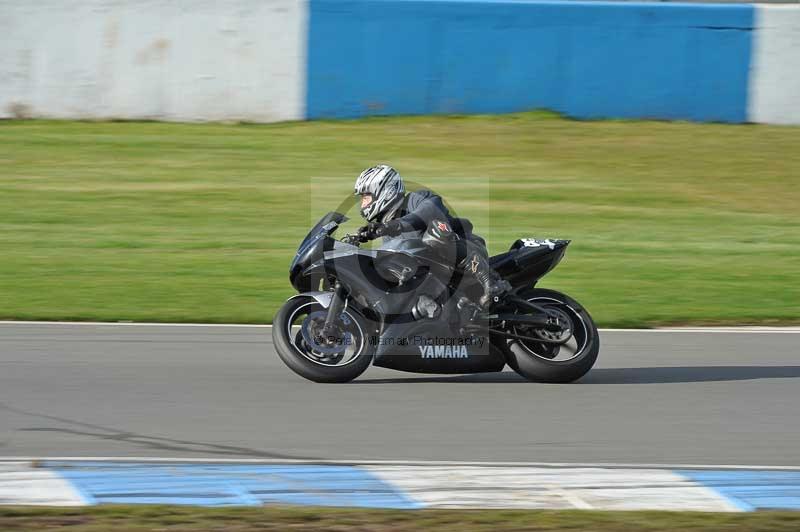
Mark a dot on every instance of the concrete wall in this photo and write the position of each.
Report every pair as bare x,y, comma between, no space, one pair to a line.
270,60
775,77
162,59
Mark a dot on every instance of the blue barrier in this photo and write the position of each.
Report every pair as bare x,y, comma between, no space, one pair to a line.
583,59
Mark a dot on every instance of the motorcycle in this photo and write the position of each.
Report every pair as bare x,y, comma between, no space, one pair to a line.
404,306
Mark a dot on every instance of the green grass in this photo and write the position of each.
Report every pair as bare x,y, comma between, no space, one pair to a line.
672,223
175,518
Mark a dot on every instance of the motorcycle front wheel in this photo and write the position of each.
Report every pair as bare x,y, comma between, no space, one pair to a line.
340,357
559,357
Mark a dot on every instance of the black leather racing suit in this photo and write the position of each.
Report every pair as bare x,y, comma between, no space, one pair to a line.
416,212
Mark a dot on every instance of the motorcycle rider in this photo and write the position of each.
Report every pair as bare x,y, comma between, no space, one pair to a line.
391,212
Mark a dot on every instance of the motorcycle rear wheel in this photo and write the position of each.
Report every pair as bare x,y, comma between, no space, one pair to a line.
321,364
549,362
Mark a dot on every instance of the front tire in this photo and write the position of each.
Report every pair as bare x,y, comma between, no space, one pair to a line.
316,362
546,362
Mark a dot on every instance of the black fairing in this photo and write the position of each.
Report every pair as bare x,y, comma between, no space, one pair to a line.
306,269
529,260
427,345
371,277
435,346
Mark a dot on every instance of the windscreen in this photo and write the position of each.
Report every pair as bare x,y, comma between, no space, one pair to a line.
336,217
326,225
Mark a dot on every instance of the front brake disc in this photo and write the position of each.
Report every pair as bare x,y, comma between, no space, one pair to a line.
311,330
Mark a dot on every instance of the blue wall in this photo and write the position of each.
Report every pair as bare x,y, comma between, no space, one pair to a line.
586,60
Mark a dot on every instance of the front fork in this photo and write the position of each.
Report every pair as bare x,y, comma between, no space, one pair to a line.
338,302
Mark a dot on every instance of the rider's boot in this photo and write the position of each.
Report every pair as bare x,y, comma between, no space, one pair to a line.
494,286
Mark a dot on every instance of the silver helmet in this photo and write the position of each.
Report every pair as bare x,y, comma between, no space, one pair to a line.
385,186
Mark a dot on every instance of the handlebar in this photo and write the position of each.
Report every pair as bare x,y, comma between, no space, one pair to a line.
353,240
363,235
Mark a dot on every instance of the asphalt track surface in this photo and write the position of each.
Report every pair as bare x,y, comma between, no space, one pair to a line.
222,393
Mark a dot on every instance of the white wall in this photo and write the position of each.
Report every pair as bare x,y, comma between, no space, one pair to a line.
775,65
153,59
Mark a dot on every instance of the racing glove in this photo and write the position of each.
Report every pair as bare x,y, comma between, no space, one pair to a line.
375,230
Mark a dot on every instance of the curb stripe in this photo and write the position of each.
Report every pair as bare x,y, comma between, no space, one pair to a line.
753,490
568,488
23,484
386,485
211,484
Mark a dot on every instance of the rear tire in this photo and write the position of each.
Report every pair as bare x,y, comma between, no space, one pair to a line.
543,367
296,354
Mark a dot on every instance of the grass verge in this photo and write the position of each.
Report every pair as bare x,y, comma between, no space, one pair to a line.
672,223
176,518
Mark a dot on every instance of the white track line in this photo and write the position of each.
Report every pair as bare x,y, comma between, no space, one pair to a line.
741,330
561,465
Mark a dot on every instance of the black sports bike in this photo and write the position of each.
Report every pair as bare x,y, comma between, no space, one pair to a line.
405,306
